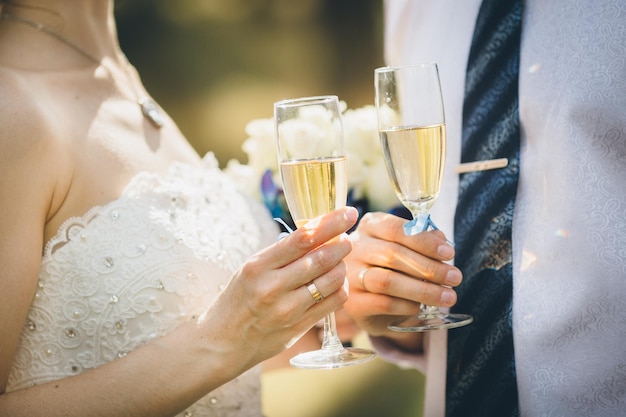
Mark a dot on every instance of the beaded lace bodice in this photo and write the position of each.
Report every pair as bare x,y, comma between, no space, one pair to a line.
131,270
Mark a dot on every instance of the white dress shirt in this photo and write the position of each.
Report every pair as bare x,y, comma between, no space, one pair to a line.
569,227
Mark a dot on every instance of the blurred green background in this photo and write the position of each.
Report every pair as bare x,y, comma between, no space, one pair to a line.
214,65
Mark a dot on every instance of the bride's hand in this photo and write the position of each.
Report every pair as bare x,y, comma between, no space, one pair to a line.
267,306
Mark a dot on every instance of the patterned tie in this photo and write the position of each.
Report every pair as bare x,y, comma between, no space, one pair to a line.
481,369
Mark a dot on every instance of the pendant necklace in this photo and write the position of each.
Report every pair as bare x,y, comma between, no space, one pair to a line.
149,108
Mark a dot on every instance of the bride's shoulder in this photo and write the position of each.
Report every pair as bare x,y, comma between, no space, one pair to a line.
30,133
32,152
24,119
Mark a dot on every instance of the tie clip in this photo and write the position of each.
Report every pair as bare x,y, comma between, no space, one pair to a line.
481,165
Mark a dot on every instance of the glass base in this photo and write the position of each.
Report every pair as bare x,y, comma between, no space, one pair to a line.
426,322
332,358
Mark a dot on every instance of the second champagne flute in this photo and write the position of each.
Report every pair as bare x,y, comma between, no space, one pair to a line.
313,165
412,129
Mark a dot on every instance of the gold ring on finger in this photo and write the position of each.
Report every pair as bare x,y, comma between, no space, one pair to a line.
315,292
362,278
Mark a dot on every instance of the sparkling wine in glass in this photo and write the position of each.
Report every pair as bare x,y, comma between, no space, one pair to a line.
412,128
313,169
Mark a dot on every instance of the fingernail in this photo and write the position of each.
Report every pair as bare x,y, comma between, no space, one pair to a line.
453,277
351,213
448,297
445,251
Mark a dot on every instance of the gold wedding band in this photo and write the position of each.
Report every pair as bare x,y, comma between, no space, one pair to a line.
315,292
362,277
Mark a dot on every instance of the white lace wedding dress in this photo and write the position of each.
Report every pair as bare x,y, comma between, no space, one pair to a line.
131,270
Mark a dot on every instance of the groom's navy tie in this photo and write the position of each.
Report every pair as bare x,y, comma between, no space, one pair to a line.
481,368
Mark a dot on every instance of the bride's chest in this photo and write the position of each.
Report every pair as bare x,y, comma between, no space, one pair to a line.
133,269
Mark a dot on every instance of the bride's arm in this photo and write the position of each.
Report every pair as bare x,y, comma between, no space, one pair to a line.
262,309
29,177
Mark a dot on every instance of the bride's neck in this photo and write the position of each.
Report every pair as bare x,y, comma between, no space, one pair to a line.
89,24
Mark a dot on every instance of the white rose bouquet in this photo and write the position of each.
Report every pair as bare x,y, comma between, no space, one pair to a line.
368,182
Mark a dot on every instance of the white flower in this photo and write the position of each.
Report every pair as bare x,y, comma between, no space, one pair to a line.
305,139
367,175
379,191
246,178
260,146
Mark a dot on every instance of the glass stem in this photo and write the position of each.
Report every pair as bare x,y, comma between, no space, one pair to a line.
420,223
331,340
429,312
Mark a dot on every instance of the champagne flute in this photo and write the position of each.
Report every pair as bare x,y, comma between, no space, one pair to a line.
313,164
412,128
